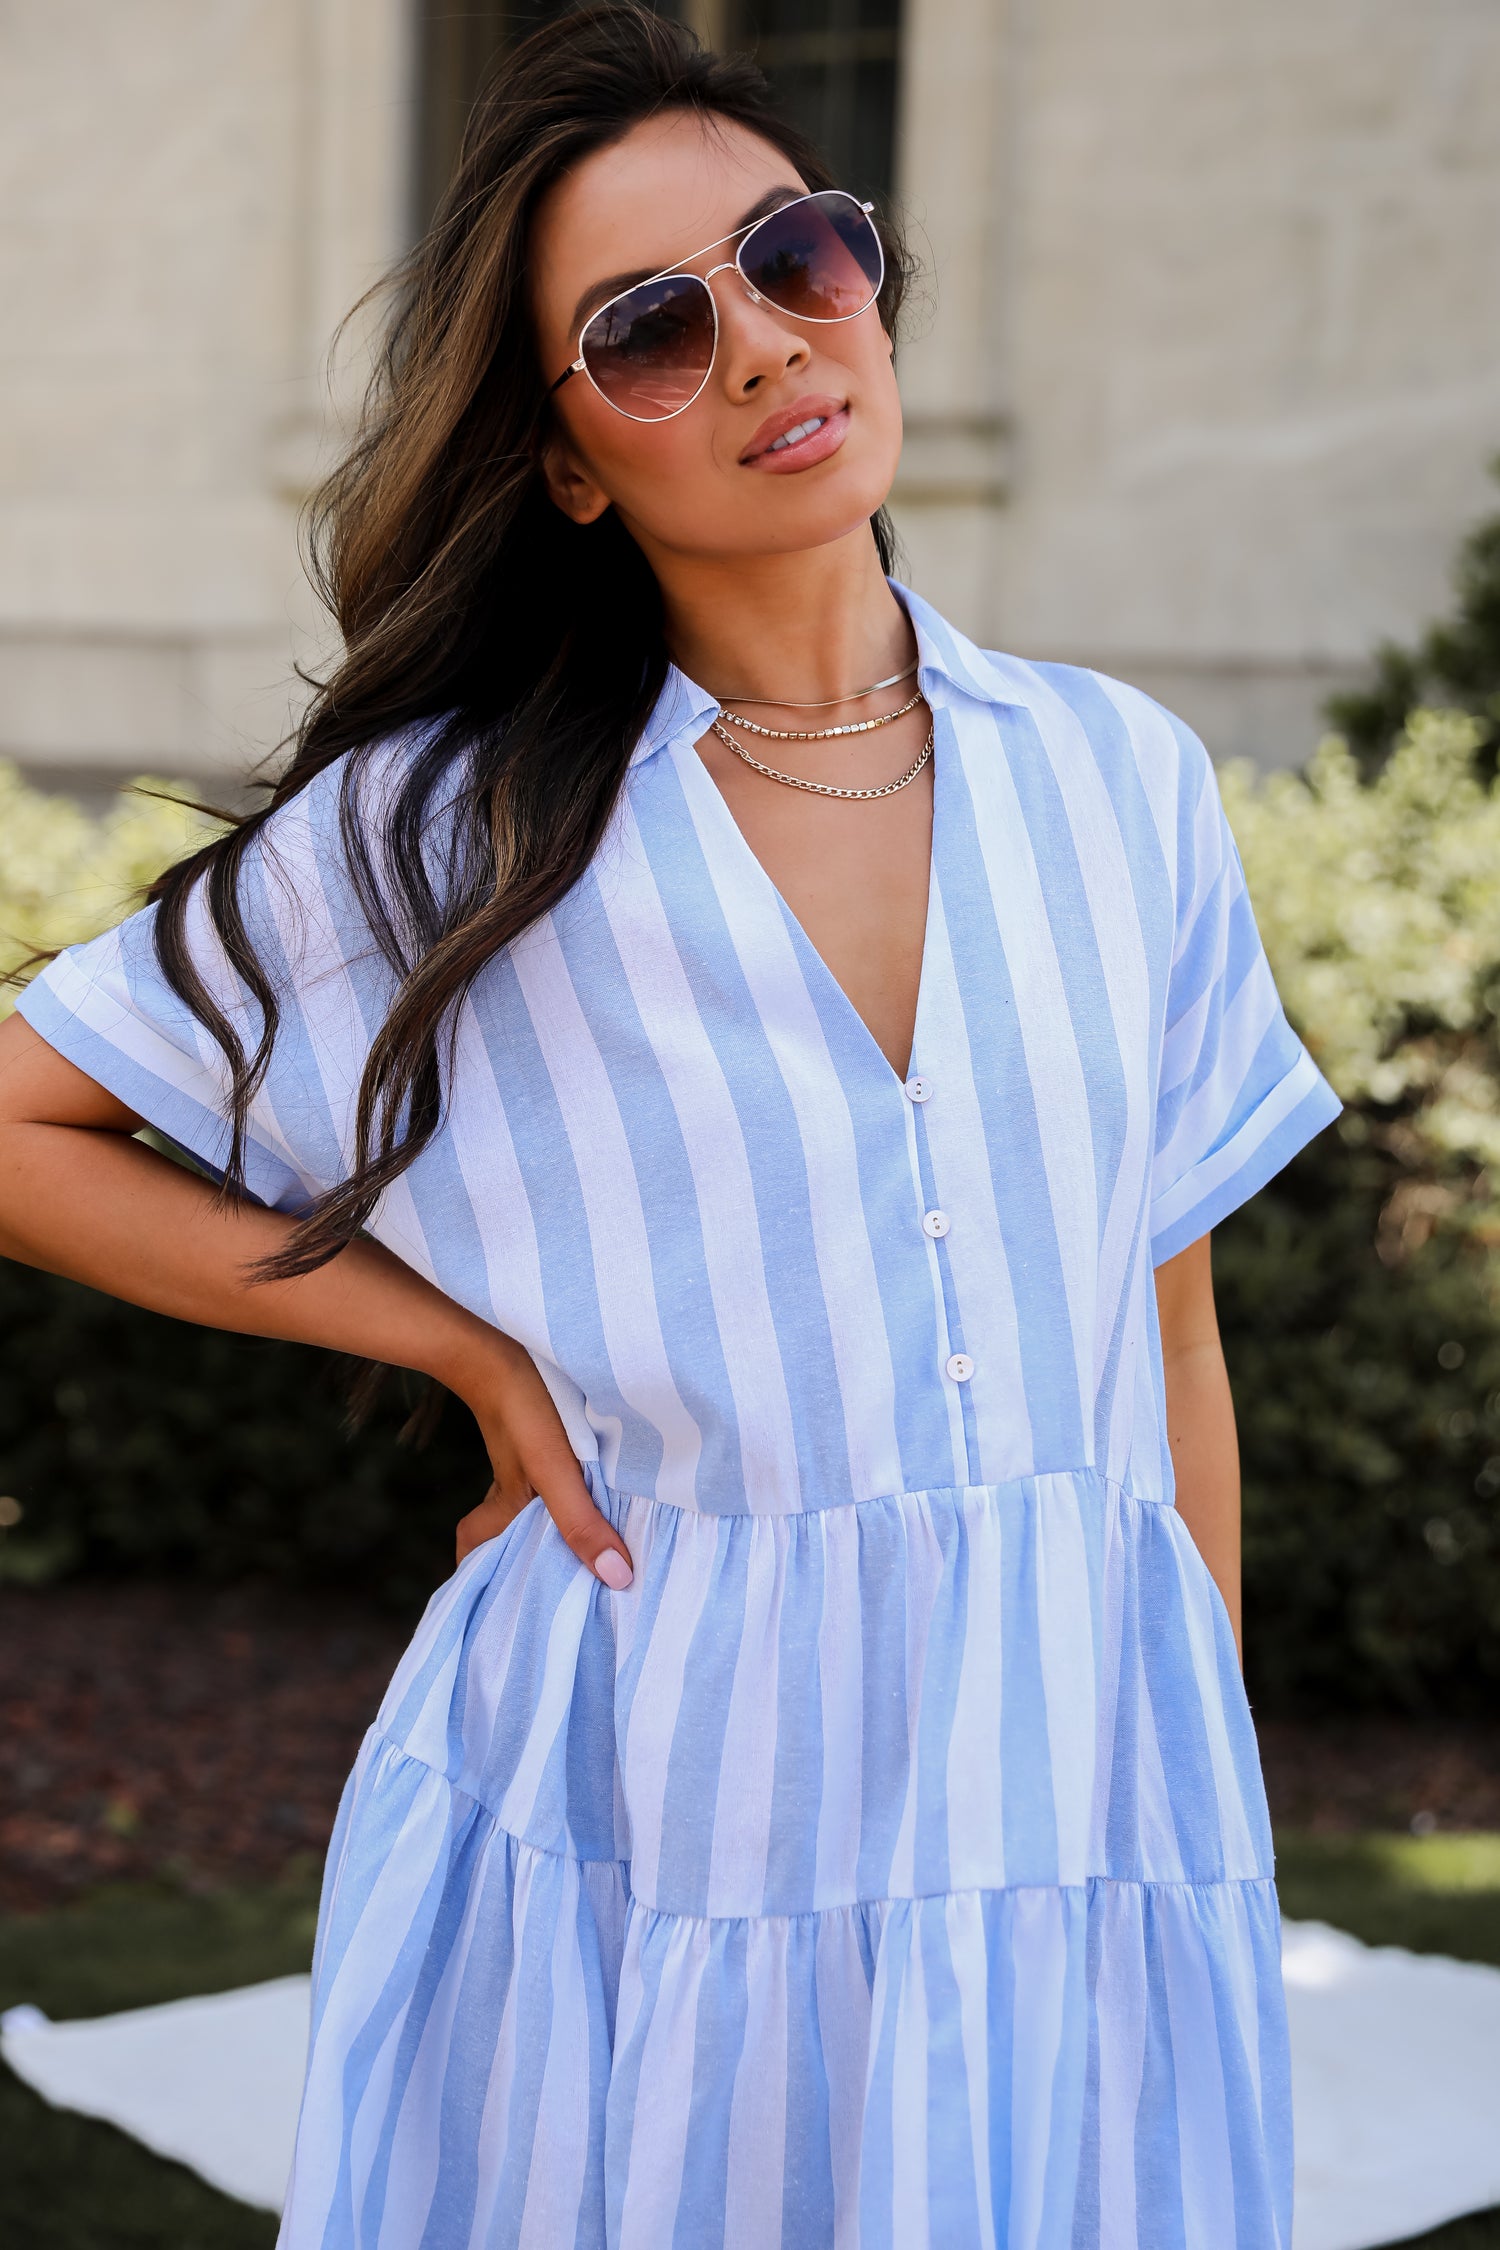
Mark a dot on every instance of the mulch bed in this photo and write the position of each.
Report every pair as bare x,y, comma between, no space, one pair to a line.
1421,1775
152,1731
169,1731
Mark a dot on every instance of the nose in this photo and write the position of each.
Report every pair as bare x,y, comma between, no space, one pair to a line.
756,342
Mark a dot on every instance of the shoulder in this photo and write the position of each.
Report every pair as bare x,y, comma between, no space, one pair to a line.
360,789
1118,755
369,813
1108,718
349,865
1083,717
1093,728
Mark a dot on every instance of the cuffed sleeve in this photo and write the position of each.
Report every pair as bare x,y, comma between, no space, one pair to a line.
1238,1094
108,1007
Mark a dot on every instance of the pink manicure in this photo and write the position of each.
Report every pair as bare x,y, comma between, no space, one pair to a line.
614,1570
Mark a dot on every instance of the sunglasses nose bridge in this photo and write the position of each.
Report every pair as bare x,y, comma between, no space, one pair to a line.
732,265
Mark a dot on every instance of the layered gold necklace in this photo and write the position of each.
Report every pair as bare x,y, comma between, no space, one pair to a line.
824,734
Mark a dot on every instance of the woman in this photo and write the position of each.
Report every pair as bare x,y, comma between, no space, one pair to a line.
779,1065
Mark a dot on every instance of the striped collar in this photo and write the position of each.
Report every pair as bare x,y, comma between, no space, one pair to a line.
949,666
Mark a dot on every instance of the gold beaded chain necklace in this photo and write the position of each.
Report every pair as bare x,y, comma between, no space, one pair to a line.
821,734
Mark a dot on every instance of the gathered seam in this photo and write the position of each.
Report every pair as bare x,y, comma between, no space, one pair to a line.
612,1495
378,1737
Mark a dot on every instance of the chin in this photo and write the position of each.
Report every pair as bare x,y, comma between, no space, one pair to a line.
809,511
753,515
824,526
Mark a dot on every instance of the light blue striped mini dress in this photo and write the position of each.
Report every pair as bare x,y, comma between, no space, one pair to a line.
889,1866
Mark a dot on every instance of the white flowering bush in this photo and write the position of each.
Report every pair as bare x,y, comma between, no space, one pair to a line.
66,874
1380,908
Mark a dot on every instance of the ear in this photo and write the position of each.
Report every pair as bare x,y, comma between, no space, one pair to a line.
571,485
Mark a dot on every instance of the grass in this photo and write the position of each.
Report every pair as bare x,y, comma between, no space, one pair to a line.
1481,2232
67,2183
1432,1894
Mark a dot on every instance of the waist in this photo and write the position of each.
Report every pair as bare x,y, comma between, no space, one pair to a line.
715,1504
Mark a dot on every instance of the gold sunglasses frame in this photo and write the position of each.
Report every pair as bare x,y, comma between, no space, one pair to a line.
580,366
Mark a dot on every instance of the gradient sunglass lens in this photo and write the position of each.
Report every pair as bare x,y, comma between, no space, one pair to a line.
819,259
651,349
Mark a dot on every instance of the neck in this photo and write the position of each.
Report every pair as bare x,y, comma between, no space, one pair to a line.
817,625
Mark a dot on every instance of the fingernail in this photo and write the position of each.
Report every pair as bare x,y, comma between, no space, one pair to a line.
615,1571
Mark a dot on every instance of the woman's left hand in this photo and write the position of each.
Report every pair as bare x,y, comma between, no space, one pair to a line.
529,1453
511,1491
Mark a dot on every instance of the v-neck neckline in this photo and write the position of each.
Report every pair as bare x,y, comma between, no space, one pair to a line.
777,898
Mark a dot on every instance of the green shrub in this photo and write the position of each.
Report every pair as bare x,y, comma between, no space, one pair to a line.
139,1444
1360,1292
1455,664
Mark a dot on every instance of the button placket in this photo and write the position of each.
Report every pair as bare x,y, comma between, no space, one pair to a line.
958,1366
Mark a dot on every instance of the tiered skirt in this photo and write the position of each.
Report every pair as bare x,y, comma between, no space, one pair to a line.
890,1876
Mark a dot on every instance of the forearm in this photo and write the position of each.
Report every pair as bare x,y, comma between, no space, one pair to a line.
100,1207
1206,1462
1200,1416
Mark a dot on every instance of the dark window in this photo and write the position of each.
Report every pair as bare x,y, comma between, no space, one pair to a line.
458,41
832,66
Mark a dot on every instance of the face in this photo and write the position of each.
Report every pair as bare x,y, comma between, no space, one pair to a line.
707,482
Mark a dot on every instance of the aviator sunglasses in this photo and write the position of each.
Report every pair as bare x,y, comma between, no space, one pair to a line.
650,350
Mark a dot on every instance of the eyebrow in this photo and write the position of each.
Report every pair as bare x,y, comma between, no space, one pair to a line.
599,292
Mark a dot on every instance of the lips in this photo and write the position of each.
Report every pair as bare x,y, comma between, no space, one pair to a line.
801,424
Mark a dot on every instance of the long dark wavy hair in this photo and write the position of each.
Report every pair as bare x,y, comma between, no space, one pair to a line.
464,597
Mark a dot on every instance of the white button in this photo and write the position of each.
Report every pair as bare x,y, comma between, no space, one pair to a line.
936,1223
918,1089
959,1366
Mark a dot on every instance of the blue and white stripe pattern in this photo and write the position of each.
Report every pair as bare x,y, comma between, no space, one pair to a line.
889,1865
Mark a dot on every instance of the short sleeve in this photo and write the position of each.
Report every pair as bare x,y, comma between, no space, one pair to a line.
1238,1094
107,1007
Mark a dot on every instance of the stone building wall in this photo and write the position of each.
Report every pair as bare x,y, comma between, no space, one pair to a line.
1210,370
193,192
1218,314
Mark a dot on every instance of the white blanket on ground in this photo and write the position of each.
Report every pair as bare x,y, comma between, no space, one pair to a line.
1395,2084
215,2082
1395,2088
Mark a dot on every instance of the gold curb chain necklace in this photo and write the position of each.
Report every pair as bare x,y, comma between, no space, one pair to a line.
824,788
